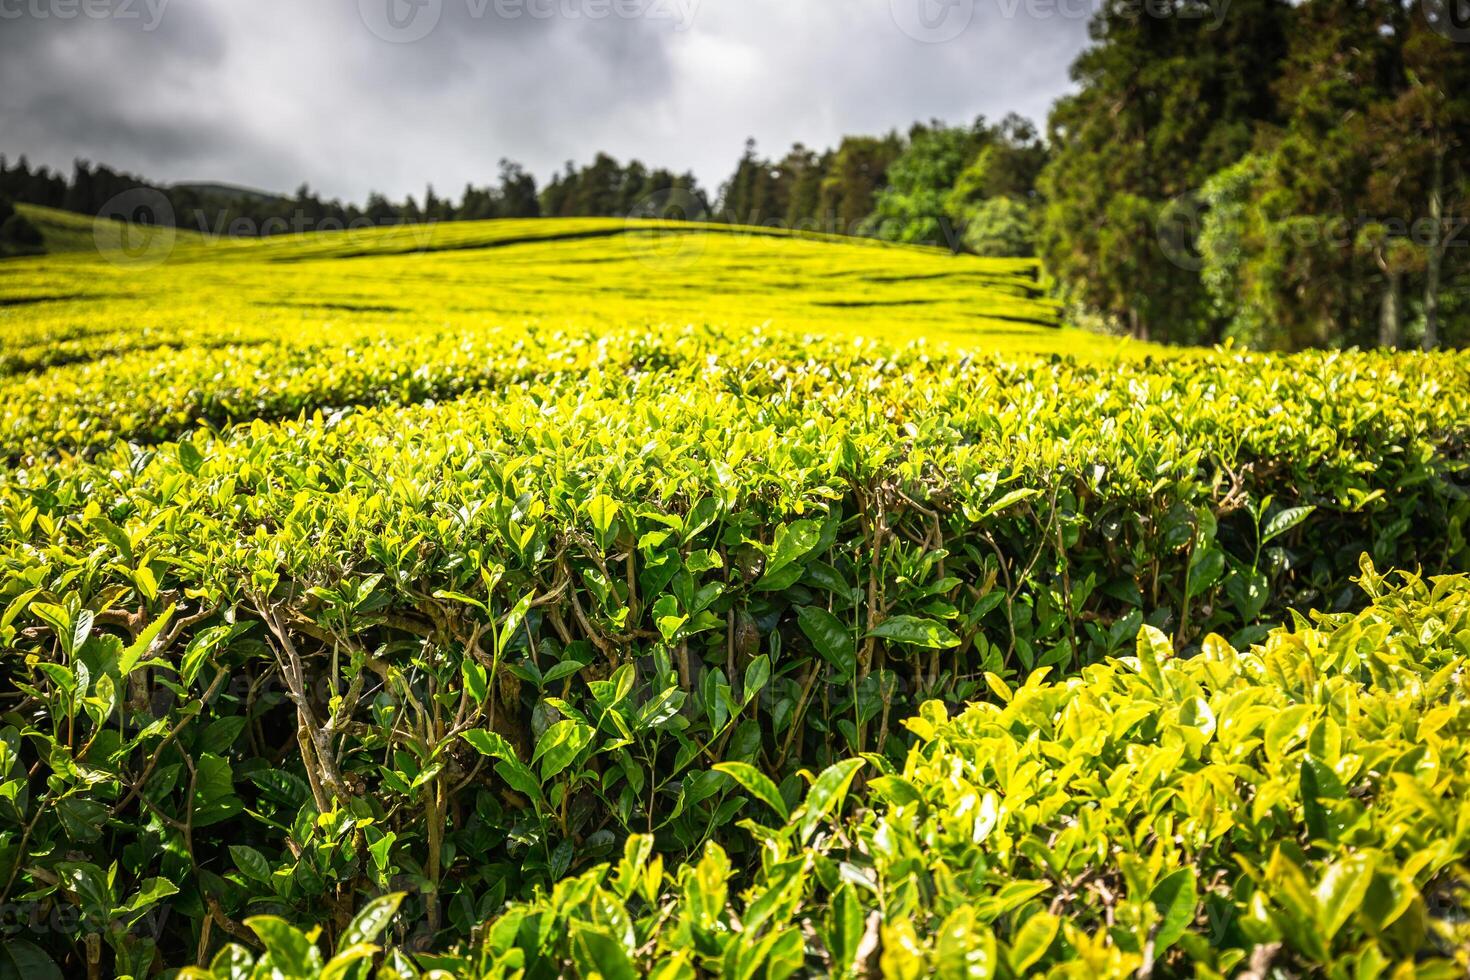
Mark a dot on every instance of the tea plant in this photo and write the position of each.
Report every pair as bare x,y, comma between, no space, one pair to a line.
1298,807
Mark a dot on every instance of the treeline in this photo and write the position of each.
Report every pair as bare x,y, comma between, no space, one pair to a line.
971,188
606,188
222,210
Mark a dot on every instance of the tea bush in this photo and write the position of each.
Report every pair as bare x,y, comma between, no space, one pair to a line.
1300,807
465,650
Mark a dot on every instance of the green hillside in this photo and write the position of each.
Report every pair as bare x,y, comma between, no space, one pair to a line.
65,231
309,317
469,275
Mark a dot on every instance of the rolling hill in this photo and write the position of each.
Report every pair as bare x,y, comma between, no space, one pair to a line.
168,328
68,232
467,275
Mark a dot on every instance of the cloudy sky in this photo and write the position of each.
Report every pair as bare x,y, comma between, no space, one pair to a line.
359,95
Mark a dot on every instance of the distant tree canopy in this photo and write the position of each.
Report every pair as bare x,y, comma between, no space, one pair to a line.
913,205
1296,176
832,192
606,188
1293,173
968,188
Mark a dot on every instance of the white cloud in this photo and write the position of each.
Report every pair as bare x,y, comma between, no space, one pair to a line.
273,92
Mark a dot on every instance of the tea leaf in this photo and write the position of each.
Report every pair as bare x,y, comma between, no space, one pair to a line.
757,784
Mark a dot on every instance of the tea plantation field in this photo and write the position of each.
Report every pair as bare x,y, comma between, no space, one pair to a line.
533,599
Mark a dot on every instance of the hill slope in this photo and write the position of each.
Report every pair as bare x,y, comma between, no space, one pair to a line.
66,231
471,274
143,341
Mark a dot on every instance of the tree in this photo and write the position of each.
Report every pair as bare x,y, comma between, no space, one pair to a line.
476,204
995,202
1009,162
915,204
1344,216
436,208
380,211
517,192
604,188
559,197
1427,130
1164,101
598,190
1315,195
858,171
1000,227
752,194
79,195
1230,230
801,172
786,193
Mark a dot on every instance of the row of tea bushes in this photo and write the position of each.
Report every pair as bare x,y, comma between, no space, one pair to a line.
78,392
1298,808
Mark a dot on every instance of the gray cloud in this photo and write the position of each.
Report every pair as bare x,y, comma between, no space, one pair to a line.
271,93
